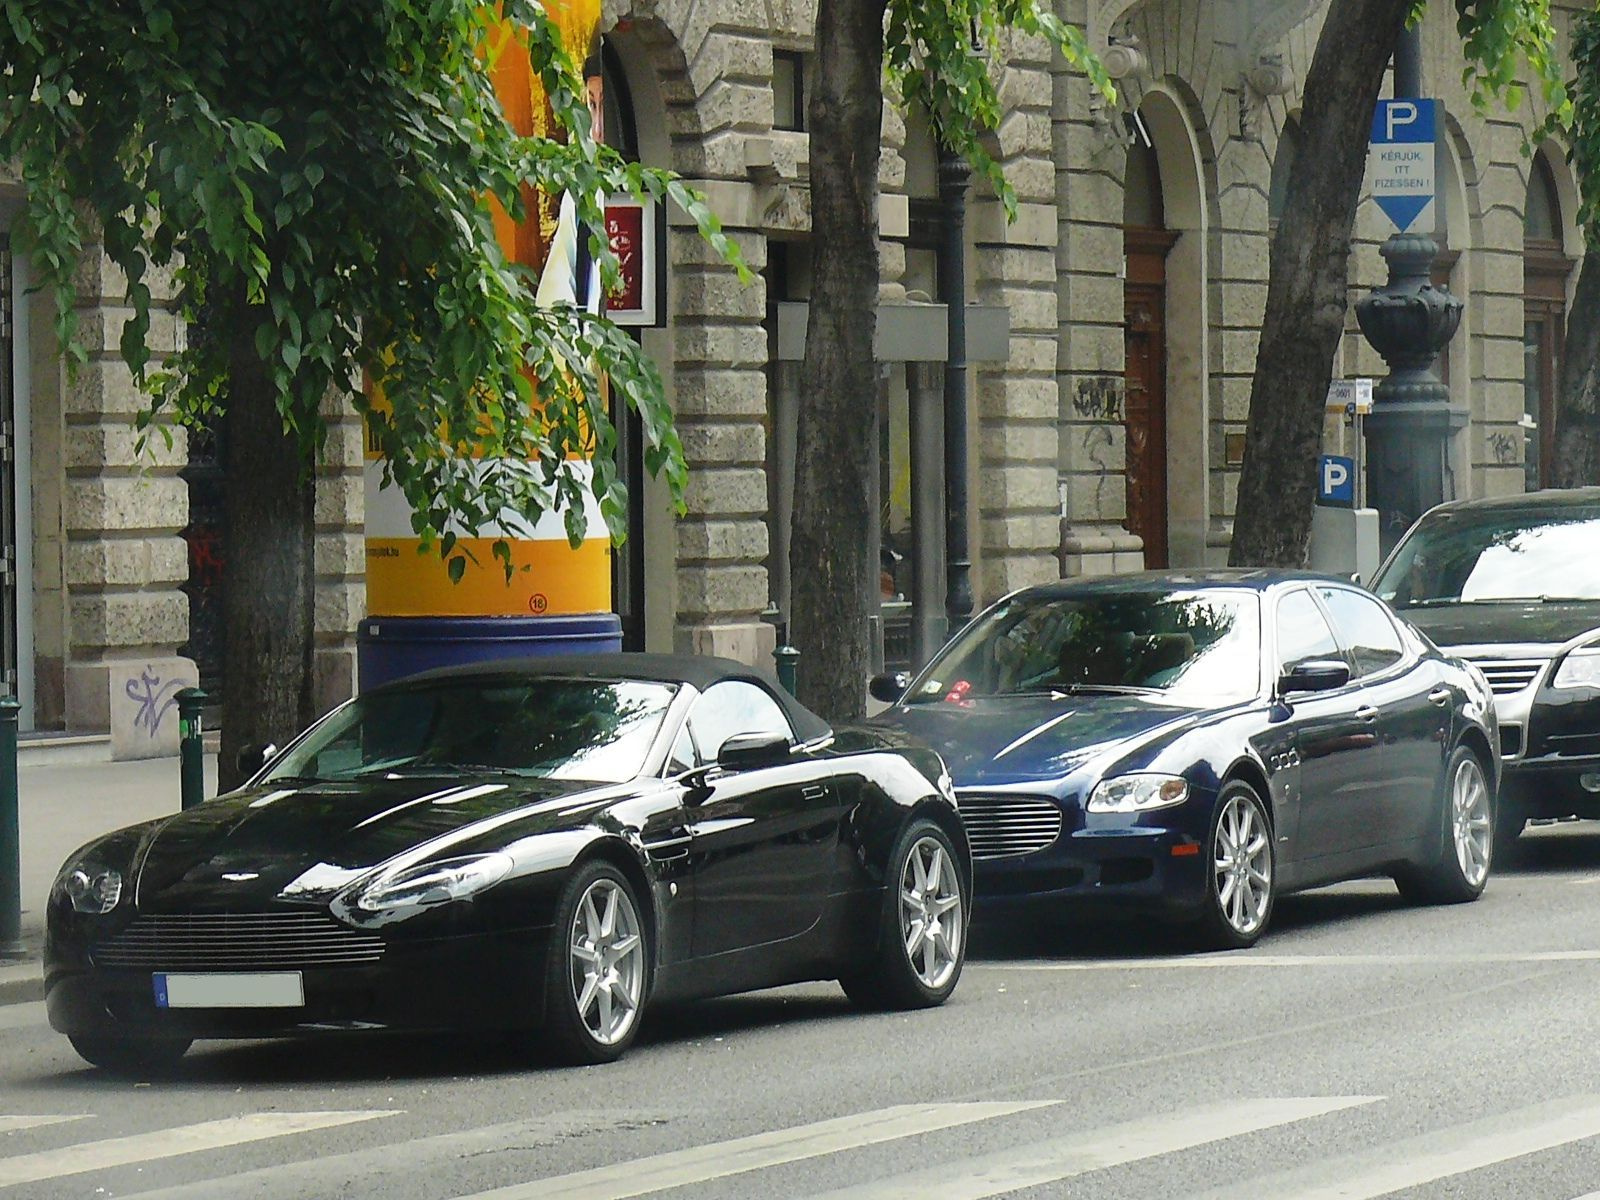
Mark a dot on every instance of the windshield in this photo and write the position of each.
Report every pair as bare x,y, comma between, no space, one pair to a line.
1482,557
1193,647
562,728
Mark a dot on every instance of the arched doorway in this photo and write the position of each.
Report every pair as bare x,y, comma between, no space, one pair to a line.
1146,242
1545,269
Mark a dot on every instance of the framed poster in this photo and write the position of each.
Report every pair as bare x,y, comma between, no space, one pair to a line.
638,235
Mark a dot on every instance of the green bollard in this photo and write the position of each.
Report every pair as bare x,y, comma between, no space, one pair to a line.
10,837
191,751
788,660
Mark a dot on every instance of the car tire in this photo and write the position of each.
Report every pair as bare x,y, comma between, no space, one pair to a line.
1459,867
130,1056
921,941
1242,878
597,968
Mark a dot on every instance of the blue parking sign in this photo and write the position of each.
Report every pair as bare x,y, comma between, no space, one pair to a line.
1336,481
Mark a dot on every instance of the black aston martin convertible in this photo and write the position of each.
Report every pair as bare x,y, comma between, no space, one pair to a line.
545,846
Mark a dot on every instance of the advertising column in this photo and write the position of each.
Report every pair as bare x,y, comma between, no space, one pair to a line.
558,599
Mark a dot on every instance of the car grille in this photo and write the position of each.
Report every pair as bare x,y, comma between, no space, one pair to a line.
237,942
1507,678
1008,826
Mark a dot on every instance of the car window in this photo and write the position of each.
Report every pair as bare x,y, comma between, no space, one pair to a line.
732,707
1469,557
1303,633
1192,646
1366,630
586,729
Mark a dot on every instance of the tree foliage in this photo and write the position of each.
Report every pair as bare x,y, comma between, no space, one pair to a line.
328,173
936,60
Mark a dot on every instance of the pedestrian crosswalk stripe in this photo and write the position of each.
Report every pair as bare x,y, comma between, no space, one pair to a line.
1095,1149
11,1124
1440,1154
700,1164
1235,959
164,1143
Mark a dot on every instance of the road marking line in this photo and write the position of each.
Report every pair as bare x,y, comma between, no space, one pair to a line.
1584,880
1427,1157
166,1143
23,1016
701,1164
11,1124
1237,959
1033,1165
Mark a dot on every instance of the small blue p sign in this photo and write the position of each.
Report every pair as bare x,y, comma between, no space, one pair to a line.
1336,481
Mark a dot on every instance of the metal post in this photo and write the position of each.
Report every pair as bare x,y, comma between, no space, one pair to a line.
1409,321
788,660
191,749
928,621
954,176
10,835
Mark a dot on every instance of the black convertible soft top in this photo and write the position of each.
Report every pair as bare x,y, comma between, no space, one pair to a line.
700,671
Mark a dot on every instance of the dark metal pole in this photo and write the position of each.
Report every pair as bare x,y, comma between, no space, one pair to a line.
191,748
928,621
10,835
954,177
787,659
1409,321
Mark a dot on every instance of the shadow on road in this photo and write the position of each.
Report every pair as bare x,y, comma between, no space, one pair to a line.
1564,848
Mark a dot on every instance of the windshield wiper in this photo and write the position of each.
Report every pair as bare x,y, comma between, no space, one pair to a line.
1435,601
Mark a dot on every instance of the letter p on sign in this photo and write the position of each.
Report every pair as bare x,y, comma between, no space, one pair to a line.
1398,114
1336,481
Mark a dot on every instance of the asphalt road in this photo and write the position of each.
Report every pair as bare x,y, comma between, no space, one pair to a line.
1365,1048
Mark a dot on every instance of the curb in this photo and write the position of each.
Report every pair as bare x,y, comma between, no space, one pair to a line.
22,981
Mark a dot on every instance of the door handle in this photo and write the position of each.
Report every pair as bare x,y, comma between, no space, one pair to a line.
813,791
1439,696
1367,713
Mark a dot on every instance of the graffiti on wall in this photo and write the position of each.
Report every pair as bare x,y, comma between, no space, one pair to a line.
152,697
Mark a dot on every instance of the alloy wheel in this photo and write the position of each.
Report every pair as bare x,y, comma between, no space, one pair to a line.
1242,859
607,961
930,912
1470,821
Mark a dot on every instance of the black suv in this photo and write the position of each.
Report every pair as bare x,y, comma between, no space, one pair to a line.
1513,586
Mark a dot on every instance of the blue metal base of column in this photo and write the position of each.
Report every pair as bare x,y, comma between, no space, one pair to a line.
394,647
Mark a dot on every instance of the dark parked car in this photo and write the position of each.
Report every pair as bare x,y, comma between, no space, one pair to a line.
1513,585
542,846
1196,744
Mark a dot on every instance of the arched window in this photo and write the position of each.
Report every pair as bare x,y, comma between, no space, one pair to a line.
1545,268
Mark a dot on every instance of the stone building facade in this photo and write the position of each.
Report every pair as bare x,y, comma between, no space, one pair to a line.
1107,416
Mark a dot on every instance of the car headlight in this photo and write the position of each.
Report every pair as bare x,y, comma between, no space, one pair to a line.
1137,793
89,887
432,883
1581,668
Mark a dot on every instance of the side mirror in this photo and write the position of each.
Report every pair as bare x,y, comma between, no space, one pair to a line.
746,751
253,756
889,686
1317,675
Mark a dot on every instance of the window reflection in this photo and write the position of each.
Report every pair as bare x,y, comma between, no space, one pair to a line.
1450,560
1194,647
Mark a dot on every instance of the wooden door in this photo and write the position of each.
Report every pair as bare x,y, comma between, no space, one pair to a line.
1145,382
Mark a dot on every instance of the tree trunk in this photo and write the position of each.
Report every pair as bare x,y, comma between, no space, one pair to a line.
1308,284
839,391
1577,456
268,572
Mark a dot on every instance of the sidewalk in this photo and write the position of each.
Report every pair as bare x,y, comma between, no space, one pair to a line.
62,806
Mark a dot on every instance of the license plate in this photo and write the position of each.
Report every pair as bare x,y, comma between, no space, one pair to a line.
234,989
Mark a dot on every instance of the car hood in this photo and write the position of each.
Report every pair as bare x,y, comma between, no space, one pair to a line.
1025,739
1534,623
305,842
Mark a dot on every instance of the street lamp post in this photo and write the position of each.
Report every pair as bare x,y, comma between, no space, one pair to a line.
1409,321
954,177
